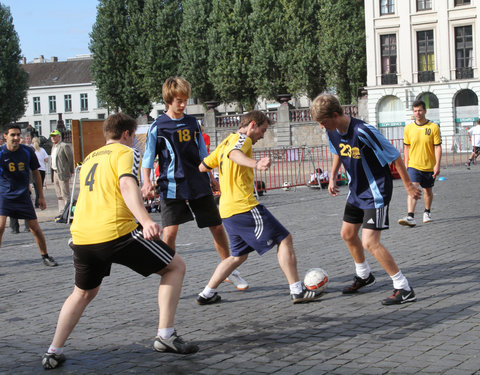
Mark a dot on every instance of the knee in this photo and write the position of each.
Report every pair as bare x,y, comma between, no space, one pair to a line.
348,235
177,265
86,296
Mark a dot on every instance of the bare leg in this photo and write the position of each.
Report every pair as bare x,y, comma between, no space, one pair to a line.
428,197
411,203
170,235
225,268
38,234
71,312
349,233
220,240
3,222
169,291
371,242
288,260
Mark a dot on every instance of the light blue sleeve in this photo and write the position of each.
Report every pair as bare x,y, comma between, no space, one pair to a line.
150,147
383,149
332,149
202,148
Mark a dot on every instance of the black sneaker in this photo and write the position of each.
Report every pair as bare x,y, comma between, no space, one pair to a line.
49,261
400,296
174,344
358,283
52,360
305,296
208,301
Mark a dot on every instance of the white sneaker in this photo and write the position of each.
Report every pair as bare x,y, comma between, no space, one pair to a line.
237,280
427,217
407,220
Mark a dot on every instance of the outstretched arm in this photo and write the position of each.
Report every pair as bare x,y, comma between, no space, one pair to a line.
412,190
240,158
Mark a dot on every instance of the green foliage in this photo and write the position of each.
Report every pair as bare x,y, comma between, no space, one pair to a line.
229,37
113,43
342,46
13,79
194,48
159,55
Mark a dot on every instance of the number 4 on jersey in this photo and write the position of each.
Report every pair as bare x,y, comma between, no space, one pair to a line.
89,181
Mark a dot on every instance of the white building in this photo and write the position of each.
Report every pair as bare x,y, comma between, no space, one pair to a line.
423,49
60,90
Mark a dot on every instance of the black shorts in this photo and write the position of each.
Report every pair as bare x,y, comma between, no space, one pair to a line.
374,218
93,262
476,150
179,211
20,208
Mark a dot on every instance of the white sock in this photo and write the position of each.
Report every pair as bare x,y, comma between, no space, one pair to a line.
400,281
208,292
296,288
235,272
362,269
54,349
165,333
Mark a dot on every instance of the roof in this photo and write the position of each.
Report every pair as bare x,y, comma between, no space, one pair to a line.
58,73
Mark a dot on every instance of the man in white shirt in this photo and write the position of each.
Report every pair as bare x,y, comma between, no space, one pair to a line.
474,134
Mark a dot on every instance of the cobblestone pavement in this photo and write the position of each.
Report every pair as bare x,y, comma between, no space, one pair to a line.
260,331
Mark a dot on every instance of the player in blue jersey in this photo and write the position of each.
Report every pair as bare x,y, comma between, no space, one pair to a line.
16,162
185,192
365,155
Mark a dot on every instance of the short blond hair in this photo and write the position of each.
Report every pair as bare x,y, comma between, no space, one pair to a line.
324,106
174,86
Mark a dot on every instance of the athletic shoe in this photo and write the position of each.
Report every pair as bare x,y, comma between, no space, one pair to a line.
407,220
49,261
427,217
52,360
305,296
400,296
467,165
208,301
237,280
358,283
174,344
15,231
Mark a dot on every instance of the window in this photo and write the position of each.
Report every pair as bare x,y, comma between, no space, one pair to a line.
424,5
387,7
426,56
52,104
38,127
83,102
68,103
464,52
462,2
389,59
53,125
36,105
101,116
68,124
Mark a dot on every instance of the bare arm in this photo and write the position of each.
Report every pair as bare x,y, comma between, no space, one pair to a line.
134,201
240,158
406,151
438,158
412,190
332,182
38,183
147,188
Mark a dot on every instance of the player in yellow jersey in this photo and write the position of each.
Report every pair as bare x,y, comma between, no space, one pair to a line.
104,231
423,152
250,226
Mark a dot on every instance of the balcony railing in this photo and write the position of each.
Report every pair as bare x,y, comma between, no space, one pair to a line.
464,73
389,79
426,76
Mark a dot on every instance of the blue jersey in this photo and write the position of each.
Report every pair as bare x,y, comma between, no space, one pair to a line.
15,167
365,154
180,148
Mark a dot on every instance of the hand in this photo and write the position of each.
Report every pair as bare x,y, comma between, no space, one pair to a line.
333,188
42,204
414,191
263,164
436,171
148,190
215,185
151,231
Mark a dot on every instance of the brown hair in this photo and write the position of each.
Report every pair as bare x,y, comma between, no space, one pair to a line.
174,86
116,124
324,106
258,116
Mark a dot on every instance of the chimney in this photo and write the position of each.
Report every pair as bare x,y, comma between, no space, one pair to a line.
24,60
54,59
60,124
42,59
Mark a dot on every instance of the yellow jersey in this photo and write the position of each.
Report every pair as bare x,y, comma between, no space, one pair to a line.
236,181
101,214
422,140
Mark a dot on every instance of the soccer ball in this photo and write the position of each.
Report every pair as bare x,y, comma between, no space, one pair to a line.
316,279
286,186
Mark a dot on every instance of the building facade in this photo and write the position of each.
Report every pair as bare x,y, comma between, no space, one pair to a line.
60,90
423,49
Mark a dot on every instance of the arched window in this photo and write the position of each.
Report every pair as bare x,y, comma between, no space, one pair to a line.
431,102
391,117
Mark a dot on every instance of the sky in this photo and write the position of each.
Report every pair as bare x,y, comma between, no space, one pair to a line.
58,28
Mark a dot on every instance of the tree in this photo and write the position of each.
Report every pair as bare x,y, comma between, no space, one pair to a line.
194,49
229,37
113,43
342,46
159,56
13,79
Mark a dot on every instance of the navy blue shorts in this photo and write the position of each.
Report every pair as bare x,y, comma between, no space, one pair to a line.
255,230
20,208
425,179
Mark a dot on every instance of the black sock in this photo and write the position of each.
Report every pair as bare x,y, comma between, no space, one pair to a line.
427,210
45,256
411,214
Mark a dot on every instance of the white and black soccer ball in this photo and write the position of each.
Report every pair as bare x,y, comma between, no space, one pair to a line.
316,279
286,186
